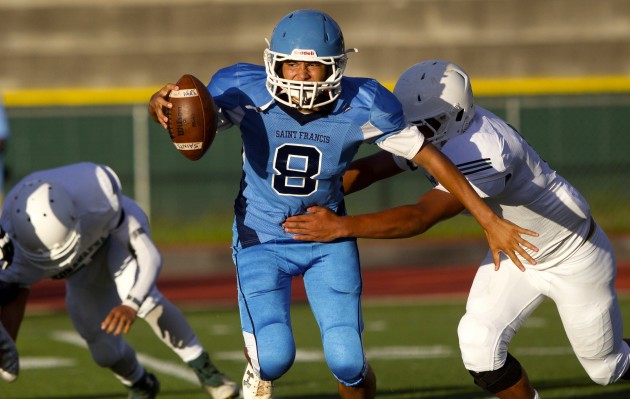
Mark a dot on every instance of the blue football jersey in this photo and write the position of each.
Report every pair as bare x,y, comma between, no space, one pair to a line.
292,160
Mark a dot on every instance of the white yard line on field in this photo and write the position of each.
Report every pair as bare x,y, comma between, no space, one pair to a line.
175,370
179,370
32,363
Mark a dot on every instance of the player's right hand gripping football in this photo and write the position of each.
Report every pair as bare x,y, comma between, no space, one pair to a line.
6,249
9,358
159,101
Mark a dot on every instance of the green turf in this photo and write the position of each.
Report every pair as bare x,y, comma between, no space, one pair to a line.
412,347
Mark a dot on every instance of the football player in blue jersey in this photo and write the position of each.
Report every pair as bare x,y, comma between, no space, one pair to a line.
301,122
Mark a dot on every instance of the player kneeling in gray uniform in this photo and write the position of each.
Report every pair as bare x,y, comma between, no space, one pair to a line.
74,223
575,264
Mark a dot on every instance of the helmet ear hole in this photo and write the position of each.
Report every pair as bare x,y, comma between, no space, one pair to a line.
460,115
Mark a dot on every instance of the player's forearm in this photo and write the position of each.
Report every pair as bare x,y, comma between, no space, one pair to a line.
149,266
457,185
133,235
442,169
401,222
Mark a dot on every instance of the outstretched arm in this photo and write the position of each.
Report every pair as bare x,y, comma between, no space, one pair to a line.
321,224
502,235
405,221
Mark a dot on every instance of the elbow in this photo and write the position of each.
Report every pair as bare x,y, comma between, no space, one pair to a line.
157,260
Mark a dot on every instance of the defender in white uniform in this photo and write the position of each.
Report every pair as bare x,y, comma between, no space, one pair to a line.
575,264
74,223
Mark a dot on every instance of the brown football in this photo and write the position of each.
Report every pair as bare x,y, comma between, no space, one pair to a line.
192,122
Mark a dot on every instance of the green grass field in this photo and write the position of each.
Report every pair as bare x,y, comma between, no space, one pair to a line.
411,345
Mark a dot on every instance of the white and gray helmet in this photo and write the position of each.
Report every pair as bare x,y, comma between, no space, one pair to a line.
45,224
437,97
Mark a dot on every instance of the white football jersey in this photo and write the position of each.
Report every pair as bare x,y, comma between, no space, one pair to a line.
104,214
521,187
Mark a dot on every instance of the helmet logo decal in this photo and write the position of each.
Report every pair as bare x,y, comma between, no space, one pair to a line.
303,53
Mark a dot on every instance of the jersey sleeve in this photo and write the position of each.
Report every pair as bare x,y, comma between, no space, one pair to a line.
133,233
386,126
406,143
235,87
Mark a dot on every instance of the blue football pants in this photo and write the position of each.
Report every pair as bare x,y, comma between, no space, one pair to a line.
332,280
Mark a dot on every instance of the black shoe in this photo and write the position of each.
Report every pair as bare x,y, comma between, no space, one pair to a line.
146,387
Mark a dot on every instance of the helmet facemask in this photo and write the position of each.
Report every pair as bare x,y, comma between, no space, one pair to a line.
440,128
300,94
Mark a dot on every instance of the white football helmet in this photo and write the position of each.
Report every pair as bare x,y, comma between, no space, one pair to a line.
436,95
45,224
306,35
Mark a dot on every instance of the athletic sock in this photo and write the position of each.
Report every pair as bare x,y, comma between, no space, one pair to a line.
206,372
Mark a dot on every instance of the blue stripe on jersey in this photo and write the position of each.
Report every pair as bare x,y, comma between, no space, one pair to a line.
247,237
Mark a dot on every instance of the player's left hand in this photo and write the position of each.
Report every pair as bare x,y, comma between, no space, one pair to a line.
119,320
504,236
320,224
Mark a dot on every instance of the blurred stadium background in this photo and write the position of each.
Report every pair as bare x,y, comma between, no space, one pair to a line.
76,76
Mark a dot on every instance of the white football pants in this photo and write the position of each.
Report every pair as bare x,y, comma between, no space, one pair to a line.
582,288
